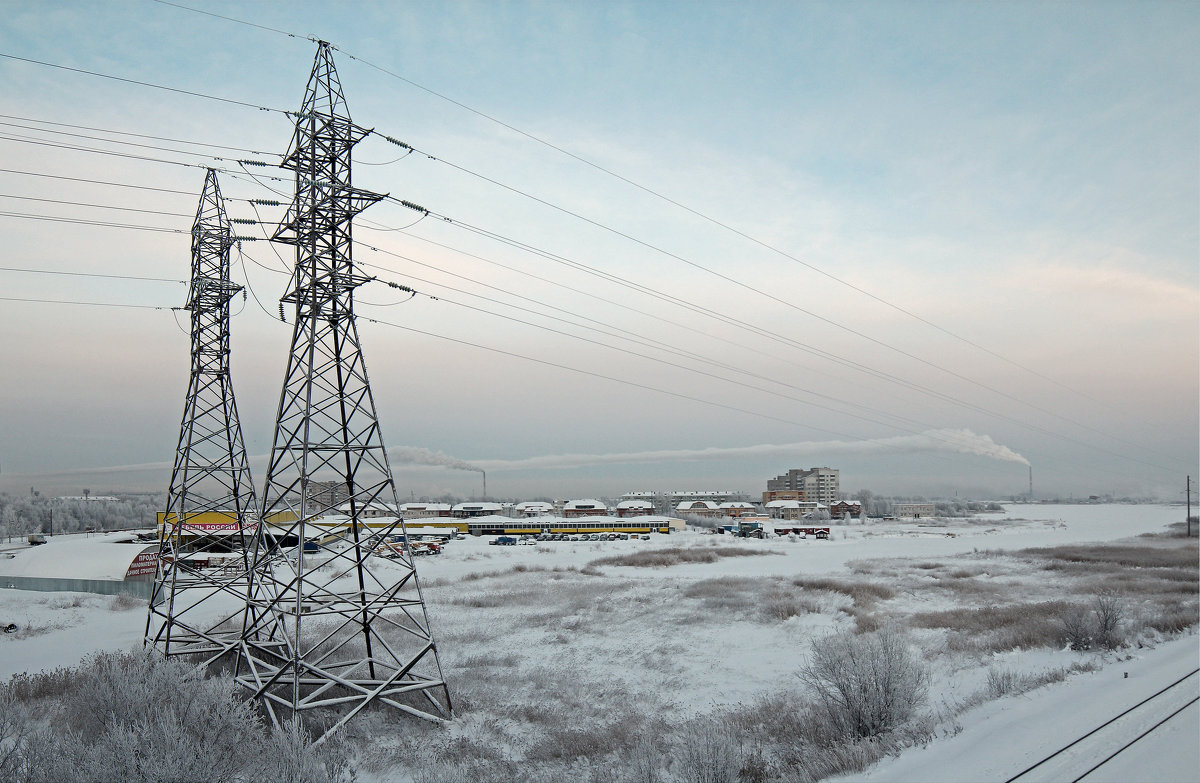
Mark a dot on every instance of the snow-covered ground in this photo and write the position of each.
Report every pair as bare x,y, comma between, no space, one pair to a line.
533,622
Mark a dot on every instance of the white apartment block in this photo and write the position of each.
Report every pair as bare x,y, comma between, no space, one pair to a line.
820,484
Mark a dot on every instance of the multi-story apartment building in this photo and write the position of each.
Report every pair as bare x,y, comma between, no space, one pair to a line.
820,484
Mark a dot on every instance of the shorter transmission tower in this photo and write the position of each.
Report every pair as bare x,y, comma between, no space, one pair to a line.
201,589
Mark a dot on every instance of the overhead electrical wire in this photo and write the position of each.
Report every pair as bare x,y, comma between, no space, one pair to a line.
95,206
128,133
90,304
727,278
82,221
141,83
693,369
113,141
819,352
651,192
98,182
483,232
622,281
89,274
960,402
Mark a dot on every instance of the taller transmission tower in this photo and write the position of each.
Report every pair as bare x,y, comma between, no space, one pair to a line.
336,624
196,608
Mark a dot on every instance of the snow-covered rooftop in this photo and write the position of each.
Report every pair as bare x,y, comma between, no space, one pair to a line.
103,556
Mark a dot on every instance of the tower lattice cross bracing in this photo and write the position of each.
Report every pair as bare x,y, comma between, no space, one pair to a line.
334,624
206,534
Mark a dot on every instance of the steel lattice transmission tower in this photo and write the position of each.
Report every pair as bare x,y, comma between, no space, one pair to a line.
196,609
336,625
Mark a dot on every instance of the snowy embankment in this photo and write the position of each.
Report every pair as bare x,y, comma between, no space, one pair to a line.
1003,738
560,655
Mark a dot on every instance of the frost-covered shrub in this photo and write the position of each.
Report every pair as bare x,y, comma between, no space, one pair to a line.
1097,626
1109,612
710,752
866,685
137,718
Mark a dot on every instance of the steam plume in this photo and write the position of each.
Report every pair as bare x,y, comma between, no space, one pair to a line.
961,441
418,456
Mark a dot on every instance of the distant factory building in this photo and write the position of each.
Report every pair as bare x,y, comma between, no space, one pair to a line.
793,509
737,508
422,510
914,510
699,508
714,495
533,508
841,508
635,508
373,510
476,509
584,508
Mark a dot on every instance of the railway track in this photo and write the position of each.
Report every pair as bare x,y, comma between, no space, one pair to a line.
1083,760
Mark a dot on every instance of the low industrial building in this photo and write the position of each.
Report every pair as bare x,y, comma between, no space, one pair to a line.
475,509
108,563
533,508
914,510
793,509
421,510
844,508
635,508
699,508
584,508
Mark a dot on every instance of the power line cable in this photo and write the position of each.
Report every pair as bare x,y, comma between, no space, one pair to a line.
685,368
114,153
626,335
729,279
591,373
618,280
600,168
128,133
734,281
90,274
774,298
81,221
91,304
140,83
119,141
94,206
99,182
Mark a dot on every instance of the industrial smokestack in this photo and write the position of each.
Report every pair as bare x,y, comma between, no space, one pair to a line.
1031,483
484,472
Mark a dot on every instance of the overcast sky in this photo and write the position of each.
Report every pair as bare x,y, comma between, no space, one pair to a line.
927,244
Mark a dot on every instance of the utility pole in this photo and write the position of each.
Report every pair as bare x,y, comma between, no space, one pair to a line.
335,625
1189,506
210,501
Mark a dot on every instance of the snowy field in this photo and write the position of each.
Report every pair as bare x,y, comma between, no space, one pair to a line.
563,657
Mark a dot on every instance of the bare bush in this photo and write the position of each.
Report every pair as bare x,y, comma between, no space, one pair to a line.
1109,612
864,593
866,685
659,558
1001,682
1077,628
710,752
1097,626
132,718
